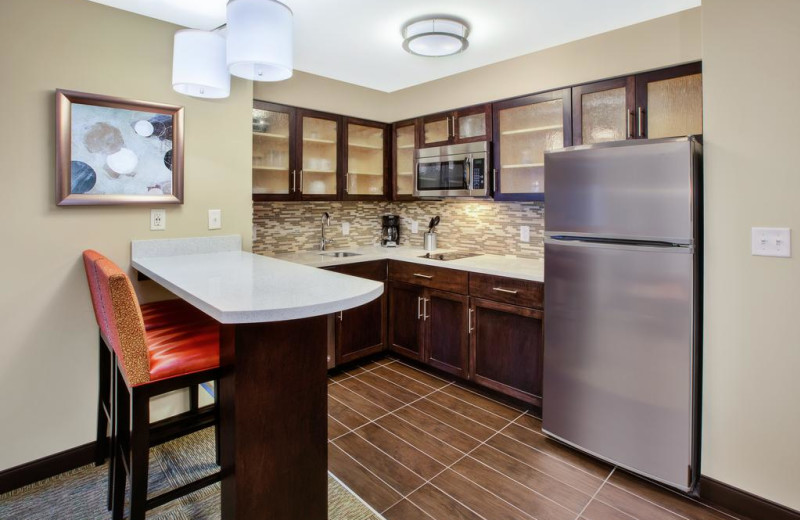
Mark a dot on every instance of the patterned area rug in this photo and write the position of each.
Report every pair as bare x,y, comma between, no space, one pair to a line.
81,493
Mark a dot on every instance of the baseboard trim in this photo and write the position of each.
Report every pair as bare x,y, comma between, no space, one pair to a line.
46,467
743,503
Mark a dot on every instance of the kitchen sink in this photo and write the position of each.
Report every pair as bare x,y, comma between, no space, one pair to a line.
340,254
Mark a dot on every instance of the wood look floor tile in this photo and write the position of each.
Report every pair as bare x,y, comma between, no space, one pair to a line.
476,498
553,489
419,375
334,378
505,411
364,484
479,415
600,511
671,500
385,361
530,422
423,441
381,464
439,505
554,467
437,428
345,415
404,510
356,402
409,383
459,422
372,394
335,428
633,505
401,451
534,504
547,445
396,391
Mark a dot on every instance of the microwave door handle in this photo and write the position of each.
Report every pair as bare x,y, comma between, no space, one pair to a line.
467,173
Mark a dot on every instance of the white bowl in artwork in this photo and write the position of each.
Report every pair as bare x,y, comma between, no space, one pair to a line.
122,162
144,128
316,187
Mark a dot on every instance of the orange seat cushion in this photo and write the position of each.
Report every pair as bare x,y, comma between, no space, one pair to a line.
182,349
171,312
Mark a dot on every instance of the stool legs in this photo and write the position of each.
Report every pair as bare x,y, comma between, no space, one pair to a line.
140,447
122,446
105,368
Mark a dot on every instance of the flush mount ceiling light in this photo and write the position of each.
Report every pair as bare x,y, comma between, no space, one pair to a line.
435,37
258,47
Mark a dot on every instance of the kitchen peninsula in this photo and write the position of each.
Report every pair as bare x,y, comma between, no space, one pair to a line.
273,395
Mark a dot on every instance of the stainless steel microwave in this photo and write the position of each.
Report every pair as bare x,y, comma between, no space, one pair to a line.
452,171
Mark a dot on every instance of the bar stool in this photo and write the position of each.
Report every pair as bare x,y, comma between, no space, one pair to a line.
148,363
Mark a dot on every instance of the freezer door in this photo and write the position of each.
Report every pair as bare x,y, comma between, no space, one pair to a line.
618,360
638,191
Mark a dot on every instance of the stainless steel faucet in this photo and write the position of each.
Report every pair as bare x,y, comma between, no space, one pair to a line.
326,221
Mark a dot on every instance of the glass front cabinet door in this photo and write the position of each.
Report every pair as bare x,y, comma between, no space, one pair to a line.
366,159
318,178
525,128
465,125
404,143
274,171
604,111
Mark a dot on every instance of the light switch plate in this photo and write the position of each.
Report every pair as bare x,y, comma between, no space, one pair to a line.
772,242
158,219
215,219
524,233
414,226
345,228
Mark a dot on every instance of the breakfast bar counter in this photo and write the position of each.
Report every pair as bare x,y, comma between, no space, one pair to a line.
272,395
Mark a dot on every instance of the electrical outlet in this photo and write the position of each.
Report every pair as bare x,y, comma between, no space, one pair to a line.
345,228
772,242
158,219
414,226
215,219
524,233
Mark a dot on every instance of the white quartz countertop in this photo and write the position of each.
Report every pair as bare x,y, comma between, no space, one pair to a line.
510,266
234,286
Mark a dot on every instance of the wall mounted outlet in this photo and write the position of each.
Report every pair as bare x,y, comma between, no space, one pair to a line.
772,242
215,219
524,233
414,226
158,219
345,228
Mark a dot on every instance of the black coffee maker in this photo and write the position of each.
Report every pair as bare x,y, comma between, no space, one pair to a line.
390,235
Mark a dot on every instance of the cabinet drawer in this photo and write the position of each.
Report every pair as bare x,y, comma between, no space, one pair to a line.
375,270
507,290
429,276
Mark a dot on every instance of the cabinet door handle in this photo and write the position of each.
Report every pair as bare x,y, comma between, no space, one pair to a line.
494,180
507,291
294,181
340,315
470,328
301,181
426,276
452,126
419,307
640,122
629,125
425,314
346,181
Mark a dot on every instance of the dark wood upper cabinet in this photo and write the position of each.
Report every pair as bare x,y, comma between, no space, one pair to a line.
274,152
446,331
405,135
661,103
366,160
525,128
465,125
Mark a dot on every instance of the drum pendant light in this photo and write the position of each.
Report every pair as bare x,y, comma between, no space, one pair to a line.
198,64
259,40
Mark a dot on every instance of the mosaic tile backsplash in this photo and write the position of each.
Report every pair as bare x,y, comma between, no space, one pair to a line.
487,227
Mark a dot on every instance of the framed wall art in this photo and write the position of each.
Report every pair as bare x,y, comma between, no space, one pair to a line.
117,151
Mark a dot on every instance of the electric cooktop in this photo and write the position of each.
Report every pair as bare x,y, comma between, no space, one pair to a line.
448,256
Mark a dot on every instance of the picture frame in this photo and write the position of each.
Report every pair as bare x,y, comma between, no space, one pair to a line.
115,151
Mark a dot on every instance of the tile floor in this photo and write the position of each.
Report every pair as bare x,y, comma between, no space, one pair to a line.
415,446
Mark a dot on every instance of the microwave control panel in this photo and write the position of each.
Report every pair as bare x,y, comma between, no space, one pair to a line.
478,174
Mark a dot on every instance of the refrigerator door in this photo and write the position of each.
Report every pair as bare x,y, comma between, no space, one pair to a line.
639,190
618,366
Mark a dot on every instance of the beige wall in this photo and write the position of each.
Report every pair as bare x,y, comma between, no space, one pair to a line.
751,420
48,354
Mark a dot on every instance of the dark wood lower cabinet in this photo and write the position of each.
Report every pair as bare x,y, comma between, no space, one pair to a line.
405,319
507,346
447,338
361,331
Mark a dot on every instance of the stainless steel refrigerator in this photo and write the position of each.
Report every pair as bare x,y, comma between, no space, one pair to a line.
622,304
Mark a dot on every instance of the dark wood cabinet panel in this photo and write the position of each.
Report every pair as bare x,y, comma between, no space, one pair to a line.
507,346
405,320
361,331
373,270
439,278
524,293
447,339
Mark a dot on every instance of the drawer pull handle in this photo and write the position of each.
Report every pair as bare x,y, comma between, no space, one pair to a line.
426,276
507,291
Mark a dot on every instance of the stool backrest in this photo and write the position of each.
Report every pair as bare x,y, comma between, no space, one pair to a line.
126,331
89,258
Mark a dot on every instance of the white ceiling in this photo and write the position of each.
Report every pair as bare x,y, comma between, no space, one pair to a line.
359,41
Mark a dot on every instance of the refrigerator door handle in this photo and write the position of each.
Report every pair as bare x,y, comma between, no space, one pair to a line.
642,246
